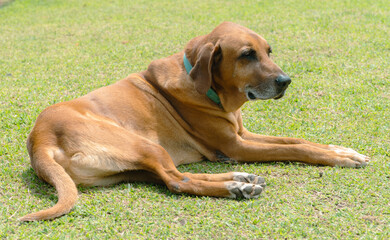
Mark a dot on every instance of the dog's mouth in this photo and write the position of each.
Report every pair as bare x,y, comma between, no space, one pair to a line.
280,95
253,95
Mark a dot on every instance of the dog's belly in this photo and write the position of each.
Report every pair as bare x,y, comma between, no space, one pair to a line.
181,152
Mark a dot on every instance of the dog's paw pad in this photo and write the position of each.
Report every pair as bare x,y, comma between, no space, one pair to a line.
249,178
244,190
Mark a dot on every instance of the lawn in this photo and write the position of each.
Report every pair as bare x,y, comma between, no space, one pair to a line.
337,53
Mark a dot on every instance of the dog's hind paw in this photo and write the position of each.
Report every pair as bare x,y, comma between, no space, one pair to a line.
249,178
243,190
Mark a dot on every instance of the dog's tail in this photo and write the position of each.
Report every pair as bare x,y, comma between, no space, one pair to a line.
49,170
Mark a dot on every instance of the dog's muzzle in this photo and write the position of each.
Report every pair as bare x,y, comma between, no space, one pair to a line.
274,90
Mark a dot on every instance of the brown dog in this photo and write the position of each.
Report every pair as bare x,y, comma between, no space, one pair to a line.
182,109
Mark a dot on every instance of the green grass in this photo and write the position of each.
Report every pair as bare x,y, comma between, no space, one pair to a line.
337,53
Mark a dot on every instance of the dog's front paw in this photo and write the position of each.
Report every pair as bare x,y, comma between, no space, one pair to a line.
347,157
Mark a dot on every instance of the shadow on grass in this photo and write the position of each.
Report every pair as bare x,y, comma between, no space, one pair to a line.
222,167
43,190
38,187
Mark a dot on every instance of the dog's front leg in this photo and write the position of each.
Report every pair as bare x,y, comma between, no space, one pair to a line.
245,134
255,149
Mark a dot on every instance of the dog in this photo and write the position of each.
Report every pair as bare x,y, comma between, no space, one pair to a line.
182,109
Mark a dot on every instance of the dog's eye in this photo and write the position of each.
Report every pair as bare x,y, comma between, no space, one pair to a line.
249,54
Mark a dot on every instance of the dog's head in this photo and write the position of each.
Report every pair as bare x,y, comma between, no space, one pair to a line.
235,62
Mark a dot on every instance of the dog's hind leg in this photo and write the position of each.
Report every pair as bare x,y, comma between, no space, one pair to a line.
230,176
107,154
136,158
233,185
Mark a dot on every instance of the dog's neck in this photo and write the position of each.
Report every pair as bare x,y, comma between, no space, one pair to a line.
211,94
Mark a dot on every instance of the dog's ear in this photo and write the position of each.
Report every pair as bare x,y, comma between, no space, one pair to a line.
201,73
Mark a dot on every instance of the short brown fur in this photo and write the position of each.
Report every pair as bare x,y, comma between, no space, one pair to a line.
142,127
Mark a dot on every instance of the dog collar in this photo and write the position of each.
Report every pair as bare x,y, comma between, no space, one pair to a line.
210,93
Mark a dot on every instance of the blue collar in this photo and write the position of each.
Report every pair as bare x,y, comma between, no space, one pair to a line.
210,93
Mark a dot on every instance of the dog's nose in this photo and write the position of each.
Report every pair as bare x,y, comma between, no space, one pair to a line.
283,81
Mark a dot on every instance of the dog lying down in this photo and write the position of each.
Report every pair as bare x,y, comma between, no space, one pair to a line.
182,109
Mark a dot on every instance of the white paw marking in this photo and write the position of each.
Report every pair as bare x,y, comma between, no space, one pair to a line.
351,157
243,190
249,178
